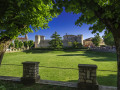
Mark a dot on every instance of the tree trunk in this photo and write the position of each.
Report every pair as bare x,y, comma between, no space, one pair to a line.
3,47
2,51
117,44
1,57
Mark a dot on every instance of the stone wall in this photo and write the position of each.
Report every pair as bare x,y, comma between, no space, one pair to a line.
87,77
44,43
41,42
30,72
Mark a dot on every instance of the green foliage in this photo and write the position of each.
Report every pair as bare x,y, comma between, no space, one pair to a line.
56,42
30,43
77,45
11,45
96,40
17,15
108,39
20,44
70,44
25,44
100,13
16,42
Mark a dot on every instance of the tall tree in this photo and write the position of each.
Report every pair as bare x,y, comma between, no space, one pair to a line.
108,39
56,42
96,40
20,44
25,44
16,17
100,14
30,43
16,42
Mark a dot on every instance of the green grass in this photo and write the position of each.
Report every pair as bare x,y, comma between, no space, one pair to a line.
52,64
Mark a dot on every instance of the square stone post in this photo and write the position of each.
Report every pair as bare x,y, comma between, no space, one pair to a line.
87,77
30,72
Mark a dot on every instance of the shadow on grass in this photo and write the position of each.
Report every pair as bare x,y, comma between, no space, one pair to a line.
110,80
47,51
72,55
107,56
5,85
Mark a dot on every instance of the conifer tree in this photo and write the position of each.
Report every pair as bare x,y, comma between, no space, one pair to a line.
56,42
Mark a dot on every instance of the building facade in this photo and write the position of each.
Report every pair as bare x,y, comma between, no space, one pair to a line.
88,42
41,42
23,38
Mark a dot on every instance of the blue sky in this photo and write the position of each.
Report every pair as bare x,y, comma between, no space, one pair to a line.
64,23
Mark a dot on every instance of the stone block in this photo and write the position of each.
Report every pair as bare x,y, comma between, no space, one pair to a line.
88,81
30,72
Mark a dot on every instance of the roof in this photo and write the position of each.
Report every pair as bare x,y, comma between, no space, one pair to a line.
69,35
21,38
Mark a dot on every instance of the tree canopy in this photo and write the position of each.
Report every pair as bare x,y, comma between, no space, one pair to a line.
20,44
100,14
16,42
25,44
16,17
56,42
30,43
96,40
109,40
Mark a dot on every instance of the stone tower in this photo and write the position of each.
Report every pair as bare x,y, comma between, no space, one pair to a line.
37,40
80,39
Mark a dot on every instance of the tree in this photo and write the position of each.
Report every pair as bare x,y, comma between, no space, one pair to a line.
11,45
25,44
75,44
70,44
56,42
20,44
96,40
30,43
100,14
16,42
108,39
16,17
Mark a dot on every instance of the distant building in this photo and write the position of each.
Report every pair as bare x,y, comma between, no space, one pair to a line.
73,38
23,38
88,42
41,42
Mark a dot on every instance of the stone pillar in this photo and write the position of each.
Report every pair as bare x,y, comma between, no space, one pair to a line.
87,77
30,72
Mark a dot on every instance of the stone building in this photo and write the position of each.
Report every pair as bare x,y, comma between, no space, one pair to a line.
88,42
73,38
23,38
41,42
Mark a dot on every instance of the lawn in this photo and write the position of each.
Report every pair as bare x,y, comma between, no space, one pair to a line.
62,65
15,86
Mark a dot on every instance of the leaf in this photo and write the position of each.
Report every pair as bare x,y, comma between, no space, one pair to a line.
116,25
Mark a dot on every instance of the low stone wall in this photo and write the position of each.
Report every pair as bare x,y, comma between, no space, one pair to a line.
103,50
87,77
30,72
